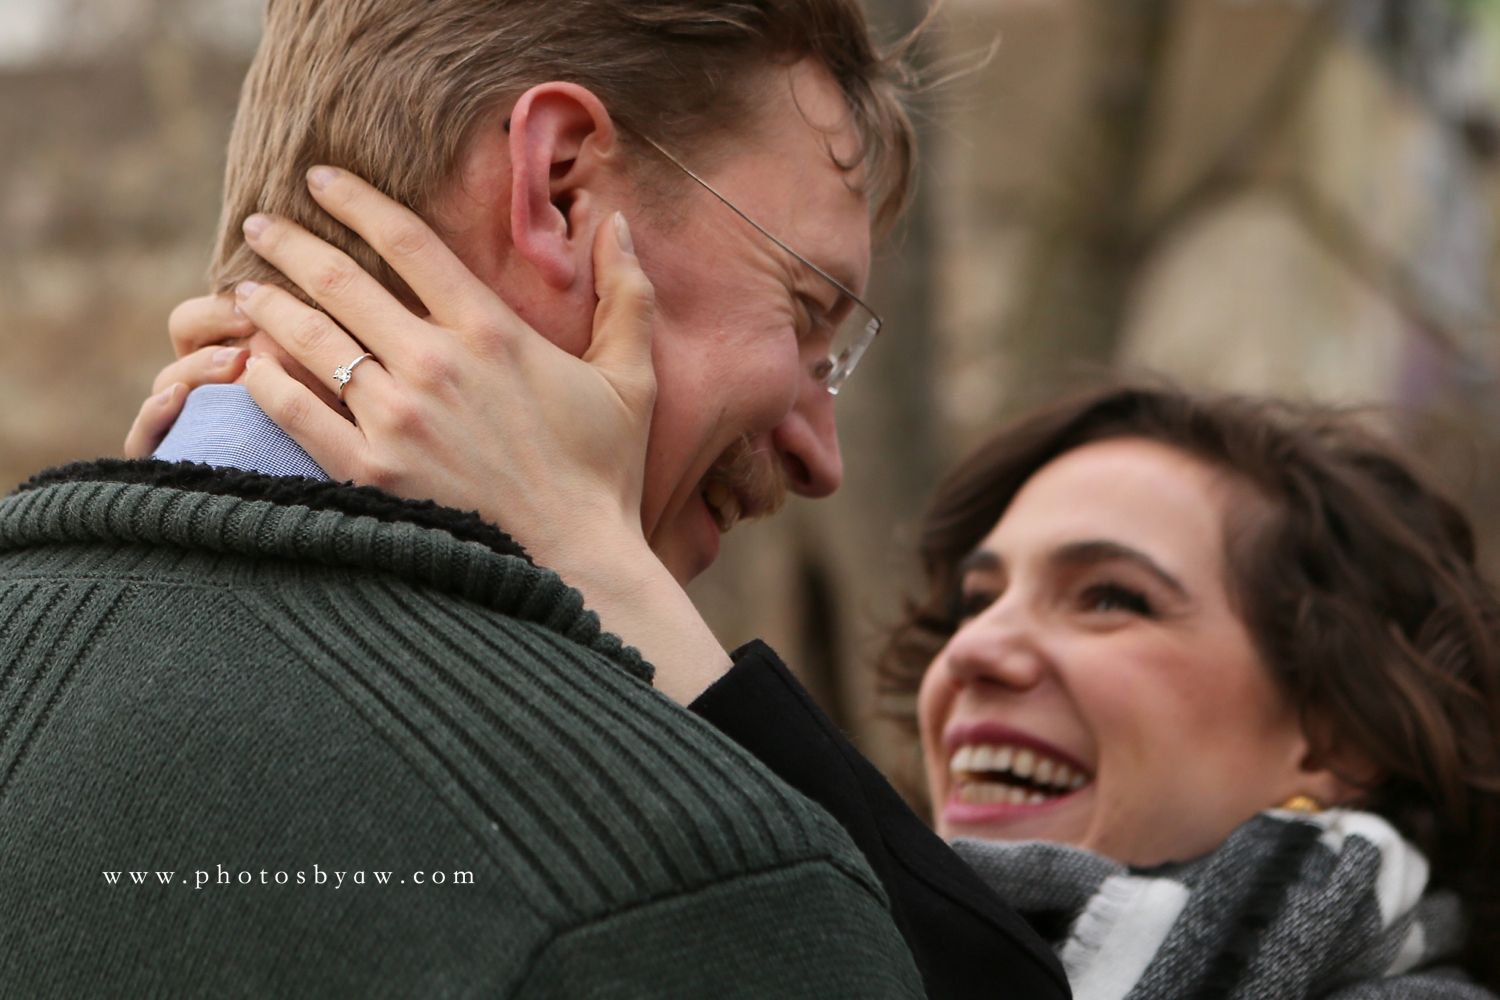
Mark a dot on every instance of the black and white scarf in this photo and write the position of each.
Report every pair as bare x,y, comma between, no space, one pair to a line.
1292,906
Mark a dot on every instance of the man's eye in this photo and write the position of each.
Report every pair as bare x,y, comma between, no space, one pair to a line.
812,318
1105,597
802,316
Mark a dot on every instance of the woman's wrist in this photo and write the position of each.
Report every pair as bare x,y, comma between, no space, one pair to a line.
637,598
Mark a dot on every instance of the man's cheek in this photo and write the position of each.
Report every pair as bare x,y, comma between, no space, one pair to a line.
767,383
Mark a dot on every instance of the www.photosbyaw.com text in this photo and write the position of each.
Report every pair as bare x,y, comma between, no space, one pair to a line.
316,877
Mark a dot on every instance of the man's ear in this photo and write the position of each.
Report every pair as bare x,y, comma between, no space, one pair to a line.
560,138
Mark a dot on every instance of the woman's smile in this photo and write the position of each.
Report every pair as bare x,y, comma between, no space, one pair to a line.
997,773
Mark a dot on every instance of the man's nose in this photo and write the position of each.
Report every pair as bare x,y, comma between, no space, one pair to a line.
807,442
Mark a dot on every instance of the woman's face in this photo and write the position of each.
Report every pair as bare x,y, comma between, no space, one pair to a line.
1102,691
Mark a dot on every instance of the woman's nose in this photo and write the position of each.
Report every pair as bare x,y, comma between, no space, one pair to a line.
998,647
807,442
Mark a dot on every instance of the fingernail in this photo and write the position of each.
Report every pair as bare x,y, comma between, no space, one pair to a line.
245,289
165,396
224,355
256,225
622,233
251,360
320,177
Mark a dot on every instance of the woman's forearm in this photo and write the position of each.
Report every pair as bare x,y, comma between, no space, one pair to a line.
636,598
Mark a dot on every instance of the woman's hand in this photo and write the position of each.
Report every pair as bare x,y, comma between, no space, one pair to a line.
201,330
211,321
471,407
467,406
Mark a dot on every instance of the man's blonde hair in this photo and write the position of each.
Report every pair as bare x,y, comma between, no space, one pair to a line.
391,90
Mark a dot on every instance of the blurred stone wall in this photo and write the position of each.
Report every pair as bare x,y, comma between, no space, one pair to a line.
111,164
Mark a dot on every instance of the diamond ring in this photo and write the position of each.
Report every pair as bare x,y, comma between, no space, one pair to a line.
344,374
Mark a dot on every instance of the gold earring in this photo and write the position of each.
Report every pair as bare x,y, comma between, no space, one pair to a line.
1302,804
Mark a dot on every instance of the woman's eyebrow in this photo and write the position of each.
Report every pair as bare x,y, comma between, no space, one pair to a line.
1080,554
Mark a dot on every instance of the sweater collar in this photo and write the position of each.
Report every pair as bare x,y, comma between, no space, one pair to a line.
338,525
356,501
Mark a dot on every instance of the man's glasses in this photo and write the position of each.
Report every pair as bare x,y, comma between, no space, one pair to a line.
854,324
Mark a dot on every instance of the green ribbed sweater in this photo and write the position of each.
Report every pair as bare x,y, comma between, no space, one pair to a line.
192,683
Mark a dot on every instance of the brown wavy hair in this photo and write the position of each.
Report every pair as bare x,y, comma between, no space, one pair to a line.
1360,589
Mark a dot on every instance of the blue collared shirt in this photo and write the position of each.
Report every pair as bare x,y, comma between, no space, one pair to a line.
220,425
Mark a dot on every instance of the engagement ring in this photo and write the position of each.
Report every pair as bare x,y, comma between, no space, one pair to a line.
344,374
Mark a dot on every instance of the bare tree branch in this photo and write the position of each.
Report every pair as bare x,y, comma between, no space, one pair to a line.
1235,164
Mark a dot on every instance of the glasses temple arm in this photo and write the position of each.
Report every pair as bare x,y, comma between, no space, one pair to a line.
735,209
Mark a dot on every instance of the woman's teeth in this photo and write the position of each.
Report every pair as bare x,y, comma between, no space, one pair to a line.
987,774
723,504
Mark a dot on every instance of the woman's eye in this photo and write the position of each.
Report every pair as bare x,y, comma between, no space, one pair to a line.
1114,597
971,604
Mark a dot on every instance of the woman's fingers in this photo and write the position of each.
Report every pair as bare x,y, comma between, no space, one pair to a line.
333,442
206,366
309,336
158,414
432,270
199,323
333,280
621,346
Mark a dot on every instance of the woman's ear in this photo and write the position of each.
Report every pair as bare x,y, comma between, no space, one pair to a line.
560,139
1334,771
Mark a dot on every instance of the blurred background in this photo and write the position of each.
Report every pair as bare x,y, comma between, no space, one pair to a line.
1294,197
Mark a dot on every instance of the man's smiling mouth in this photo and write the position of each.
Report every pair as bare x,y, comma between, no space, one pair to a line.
1004,773
745,483
724,504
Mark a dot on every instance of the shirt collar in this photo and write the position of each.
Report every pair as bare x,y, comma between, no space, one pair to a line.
221,426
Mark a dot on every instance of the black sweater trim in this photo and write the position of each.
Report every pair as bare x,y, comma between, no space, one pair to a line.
966,941
290,491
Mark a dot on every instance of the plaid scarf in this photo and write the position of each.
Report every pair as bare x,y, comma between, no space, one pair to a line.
1291,906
